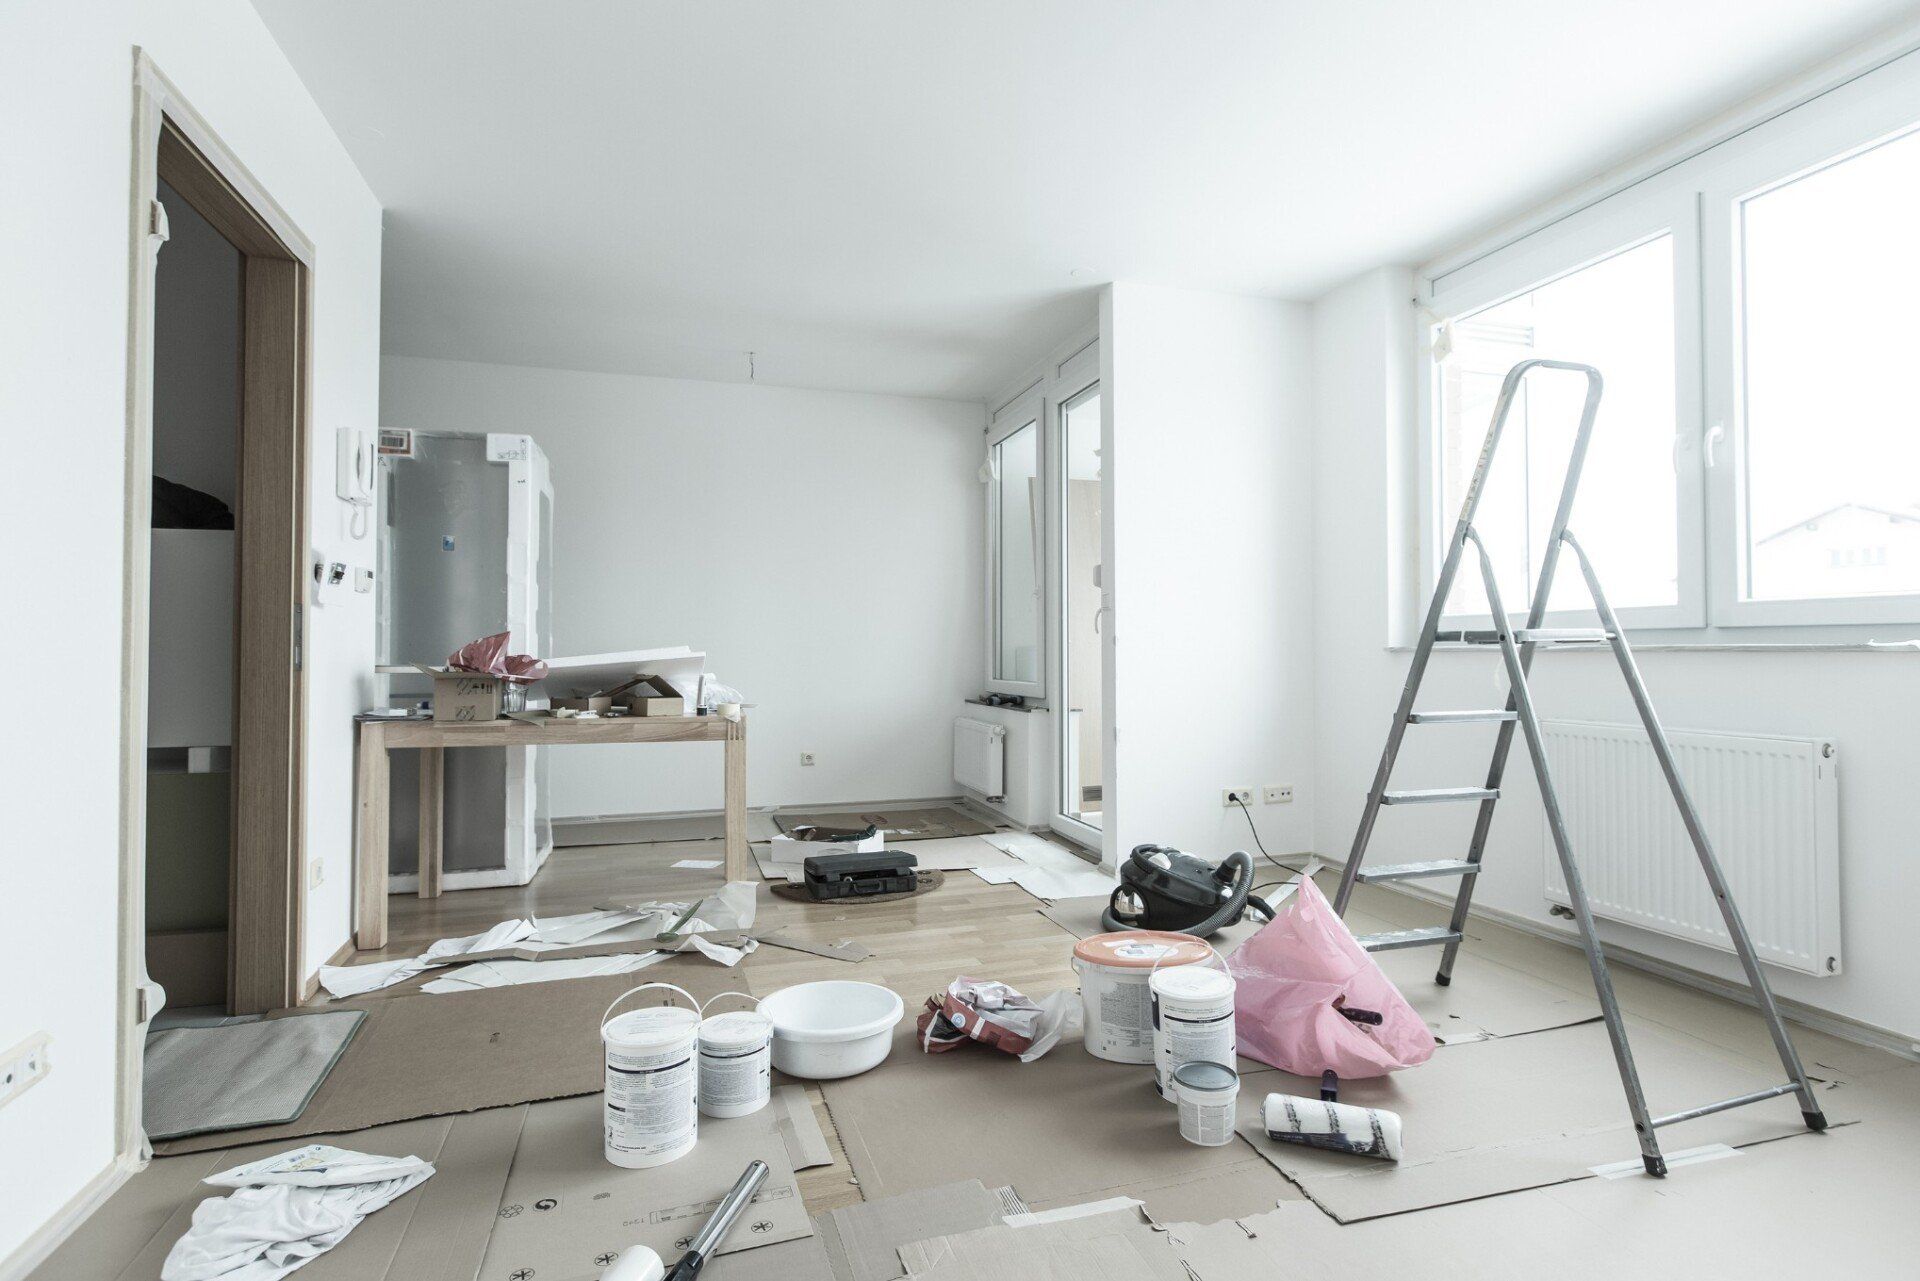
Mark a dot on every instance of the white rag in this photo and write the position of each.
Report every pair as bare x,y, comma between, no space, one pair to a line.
288,1209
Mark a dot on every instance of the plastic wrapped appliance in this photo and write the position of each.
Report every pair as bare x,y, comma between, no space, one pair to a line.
466,551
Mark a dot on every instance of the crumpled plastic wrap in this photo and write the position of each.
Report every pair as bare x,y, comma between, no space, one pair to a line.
488,657
999,1016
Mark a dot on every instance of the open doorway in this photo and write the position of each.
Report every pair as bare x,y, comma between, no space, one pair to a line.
1082,661
216,556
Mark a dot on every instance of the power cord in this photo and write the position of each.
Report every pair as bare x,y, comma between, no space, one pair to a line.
1256,837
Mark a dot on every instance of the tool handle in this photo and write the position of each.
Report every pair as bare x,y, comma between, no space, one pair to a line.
1329,1086
731,1205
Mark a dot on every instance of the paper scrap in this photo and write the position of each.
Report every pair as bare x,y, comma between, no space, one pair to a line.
353,980
702,864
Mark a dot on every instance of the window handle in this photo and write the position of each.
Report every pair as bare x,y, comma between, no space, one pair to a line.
1715,434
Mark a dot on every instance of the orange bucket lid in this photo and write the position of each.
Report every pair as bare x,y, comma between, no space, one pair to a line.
1142,949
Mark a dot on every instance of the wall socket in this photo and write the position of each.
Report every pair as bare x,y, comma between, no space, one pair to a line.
317,875
24,1066
1233,796
1278,793
806,758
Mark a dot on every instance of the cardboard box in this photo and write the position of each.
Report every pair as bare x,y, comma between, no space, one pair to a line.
654,696
790,849
464,696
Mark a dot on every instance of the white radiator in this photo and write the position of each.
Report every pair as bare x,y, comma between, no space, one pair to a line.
1771,812
980,757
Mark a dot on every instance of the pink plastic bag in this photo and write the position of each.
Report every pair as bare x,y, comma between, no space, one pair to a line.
1296,976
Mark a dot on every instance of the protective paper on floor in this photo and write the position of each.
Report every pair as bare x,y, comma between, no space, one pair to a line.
1062,1126
1044,869
895,825
566,1209
864,1240
229,1076
1113,1242
1516,1112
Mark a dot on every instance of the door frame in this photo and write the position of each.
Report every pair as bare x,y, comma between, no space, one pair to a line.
266,896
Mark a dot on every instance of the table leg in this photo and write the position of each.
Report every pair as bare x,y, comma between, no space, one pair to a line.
738,856
371,769
433,821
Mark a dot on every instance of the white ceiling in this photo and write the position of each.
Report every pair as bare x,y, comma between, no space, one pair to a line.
921,197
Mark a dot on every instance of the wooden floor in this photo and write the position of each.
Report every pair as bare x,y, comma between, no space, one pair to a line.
920,944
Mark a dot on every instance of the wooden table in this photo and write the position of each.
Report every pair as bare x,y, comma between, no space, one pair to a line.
431,739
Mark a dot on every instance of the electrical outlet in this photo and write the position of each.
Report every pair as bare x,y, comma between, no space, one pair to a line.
1233,796
24,1066
1279,793
806,758
318,875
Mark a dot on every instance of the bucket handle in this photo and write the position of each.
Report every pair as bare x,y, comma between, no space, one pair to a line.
1203,943
643,987
722,995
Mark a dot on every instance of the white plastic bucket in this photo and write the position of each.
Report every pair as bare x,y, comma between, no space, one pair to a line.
1113,970
651,1102
1192,1020
736,1060
1206,1093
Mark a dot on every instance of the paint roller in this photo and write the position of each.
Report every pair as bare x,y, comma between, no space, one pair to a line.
640,1263
1330,1125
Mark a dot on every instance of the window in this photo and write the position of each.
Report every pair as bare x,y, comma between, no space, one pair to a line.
1615,314
1829,270
1013,546
1756,458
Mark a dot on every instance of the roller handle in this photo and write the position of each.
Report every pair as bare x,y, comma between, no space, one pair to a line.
716,1228
1330,1086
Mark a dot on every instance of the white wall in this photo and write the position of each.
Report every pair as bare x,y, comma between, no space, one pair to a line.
1363,531
63,332
1211,509
822,548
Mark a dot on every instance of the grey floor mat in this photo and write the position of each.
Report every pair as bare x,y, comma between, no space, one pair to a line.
899,825
228,1076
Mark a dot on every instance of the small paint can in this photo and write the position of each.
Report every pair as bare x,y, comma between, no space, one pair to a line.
1206,1093
651,1102
1114,970
1192,1020
736,1061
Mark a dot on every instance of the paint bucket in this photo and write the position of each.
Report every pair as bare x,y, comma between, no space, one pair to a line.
736,1060
652,1083
1206,1093
1114,970
1192,1020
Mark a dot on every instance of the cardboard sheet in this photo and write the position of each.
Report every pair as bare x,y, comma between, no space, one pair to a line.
1044,869
894,824
842,950
573,833
1516,1112
863,1241
1101,1242
565,1208
421,1054
1067,1125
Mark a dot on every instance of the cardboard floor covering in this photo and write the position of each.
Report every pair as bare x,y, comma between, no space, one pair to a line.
1065,1127
436,1054
1518,1112
896,825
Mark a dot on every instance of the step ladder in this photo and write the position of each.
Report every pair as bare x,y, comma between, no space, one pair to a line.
1517,646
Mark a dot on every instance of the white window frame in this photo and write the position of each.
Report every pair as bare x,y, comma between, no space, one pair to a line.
1569,246
1028,409
1697,197
1848,122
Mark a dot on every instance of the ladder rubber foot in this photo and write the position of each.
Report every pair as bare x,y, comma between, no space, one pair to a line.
1443,978
1816,1120
1656,1166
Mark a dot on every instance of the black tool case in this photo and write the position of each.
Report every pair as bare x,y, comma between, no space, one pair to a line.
831,876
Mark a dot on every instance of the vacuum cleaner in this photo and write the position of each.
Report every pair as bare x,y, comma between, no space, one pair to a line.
1164,889
642,1263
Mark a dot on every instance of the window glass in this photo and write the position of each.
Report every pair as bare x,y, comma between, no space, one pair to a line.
1618,316
1016,566
1830,264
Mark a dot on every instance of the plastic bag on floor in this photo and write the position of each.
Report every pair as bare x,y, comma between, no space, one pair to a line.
1309,999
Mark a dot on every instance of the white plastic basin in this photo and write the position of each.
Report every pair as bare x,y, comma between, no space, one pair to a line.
822,1031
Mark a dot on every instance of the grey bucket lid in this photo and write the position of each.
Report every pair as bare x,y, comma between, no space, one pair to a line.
1199,1075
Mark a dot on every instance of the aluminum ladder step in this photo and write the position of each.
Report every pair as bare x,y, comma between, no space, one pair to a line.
1415,871
1462,718
1392,940
1532,636
1439,795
